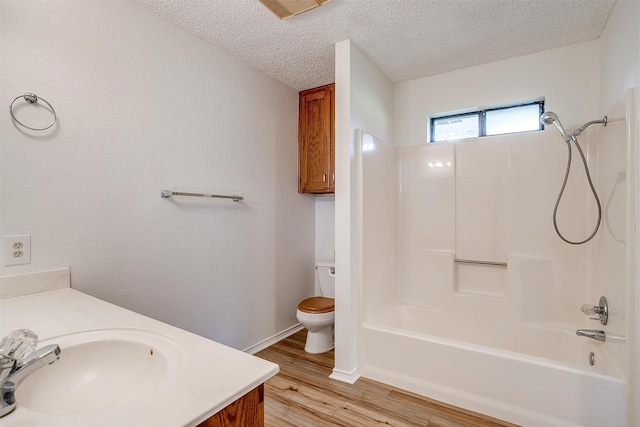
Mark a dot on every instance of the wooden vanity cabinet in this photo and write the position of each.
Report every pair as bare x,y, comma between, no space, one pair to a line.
247,411
316,140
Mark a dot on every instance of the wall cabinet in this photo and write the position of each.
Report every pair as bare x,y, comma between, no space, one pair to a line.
316,140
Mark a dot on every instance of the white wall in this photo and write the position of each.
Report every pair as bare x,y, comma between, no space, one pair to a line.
325,228
620,71
619,53
325,211
364,100
143,106
567,77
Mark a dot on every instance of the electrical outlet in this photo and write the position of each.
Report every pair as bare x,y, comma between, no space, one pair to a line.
16,249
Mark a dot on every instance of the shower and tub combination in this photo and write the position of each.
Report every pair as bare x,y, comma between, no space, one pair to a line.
475,270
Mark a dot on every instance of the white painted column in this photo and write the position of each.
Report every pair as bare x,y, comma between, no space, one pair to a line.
347,252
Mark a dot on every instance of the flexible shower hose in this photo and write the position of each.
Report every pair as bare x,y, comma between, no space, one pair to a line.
564,183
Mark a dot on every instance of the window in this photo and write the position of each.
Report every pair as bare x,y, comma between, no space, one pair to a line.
492,121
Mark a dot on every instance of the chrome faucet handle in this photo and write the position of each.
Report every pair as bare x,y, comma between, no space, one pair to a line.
588,309
19,344
601,310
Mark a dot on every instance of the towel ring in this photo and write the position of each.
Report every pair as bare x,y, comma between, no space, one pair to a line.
32,98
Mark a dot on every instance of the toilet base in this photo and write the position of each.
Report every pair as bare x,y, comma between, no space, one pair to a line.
319,341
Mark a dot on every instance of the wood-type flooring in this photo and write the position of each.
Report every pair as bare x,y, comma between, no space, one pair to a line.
302,395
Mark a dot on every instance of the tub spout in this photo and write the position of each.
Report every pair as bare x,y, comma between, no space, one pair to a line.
590,333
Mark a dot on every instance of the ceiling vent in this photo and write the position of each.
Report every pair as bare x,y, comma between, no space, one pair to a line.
284,9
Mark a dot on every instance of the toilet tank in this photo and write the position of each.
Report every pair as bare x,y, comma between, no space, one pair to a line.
327,278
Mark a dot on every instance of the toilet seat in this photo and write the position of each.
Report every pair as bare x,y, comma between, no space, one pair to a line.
317,305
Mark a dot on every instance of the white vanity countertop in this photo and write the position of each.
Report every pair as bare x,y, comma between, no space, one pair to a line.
210,376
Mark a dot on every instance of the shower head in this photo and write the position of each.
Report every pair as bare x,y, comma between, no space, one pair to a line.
550,117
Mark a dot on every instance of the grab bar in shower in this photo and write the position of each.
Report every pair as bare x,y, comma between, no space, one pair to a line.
478,262
165,194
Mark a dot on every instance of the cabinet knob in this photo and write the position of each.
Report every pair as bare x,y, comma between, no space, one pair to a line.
324,177
333,177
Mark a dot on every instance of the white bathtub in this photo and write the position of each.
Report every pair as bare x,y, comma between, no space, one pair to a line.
543,381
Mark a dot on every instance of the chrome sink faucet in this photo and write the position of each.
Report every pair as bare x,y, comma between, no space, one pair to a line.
13,372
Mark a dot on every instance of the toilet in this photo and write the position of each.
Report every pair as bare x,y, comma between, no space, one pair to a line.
317,314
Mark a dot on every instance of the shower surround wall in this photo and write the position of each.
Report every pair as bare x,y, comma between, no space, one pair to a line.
490,199
499,339
415,346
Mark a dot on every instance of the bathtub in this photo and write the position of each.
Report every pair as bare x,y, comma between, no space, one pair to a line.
535,376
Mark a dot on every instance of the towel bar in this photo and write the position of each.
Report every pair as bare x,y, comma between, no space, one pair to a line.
477,262
165,194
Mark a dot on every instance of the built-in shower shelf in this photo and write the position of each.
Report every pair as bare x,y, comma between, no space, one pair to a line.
483,279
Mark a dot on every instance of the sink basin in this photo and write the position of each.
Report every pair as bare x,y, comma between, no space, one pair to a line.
101,370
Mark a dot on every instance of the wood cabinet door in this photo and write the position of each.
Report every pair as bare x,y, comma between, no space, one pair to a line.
247,411
316,140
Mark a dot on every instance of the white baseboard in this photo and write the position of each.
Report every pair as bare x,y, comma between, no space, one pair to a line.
273,339
345,376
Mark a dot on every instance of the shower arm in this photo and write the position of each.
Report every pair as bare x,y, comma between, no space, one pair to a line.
586,125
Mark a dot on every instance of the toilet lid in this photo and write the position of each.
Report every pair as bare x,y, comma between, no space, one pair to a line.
317,305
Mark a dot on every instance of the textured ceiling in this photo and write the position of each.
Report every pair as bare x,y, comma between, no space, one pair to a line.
407,39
